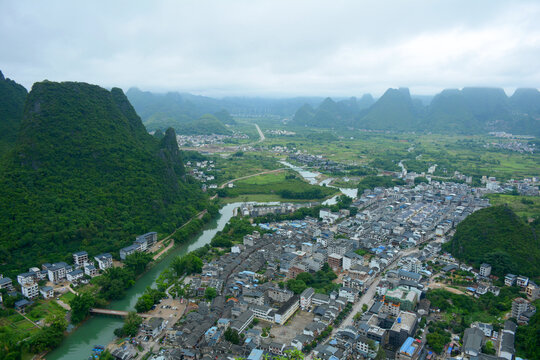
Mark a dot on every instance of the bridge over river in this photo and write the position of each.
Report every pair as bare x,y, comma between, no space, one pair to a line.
117,313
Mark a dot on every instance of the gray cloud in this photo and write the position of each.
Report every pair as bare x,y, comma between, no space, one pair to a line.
276,48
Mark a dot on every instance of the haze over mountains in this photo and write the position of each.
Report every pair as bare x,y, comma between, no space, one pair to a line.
470,110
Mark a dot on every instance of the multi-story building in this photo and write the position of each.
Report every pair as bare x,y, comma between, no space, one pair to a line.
128,250
485,270
522,281
335,261
410,349
150,238
6,283
57,272
519,306
75,275
104,261
47,292
510,279
91,270
80,258
287,310
280,295
305,298
27,278
30,291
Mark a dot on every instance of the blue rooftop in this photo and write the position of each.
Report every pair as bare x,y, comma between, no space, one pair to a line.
255,354
407,347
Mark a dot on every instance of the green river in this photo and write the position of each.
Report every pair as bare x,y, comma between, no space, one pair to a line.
98,330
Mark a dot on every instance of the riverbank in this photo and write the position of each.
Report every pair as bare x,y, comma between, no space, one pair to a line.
100,329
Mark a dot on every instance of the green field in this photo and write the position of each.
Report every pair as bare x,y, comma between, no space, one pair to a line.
523,206
278,186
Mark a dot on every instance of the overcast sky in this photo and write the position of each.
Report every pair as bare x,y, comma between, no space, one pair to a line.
276,48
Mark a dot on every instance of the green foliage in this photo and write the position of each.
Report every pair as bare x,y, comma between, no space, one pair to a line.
137,262
232,336
321,281
420,179
12,97
437,340
49,337
210,293
132,322
234,232
206,125
114,282
148,299
80,306
371,182
103,180
496,235
528,337
187,265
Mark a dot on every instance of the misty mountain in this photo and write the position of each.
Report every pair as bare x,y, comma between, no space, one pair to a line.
470,110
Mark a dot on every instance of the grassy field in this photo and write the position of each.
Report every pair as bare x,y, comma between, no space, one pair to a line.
280,186
67,297
465,154
523,206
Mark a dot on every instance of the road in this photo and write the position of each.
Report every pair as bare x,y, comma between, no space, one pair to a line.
261,135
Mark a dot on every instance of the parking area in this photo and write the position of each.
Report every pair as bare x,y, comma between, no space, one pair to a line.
295,326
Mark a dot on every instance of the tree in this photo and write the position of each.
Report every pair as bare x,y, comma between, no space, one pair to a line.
210,293
232,336
188,264
488,348
80,306
131,324
296,286
364,308
137,262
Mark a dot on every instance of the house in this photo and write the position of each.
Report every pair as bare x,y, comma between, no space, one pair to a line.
57,272
263,312
47,292
485,270
532,291
280,295
486,328
314,328
328,216
335,261
142,244
21,305
27,278
287,310
301,340
510,279
6,283
348,293
320,299
522,281
366,347
30,290
80,258
519,306
253,297
128,250
153,327
409,350
305,298
472,341
91,270
104,261
75,274
149,238
407,275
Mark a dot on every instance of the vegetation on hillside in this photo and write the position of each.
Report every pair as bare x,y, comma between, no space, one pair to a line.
496,235
85,174
12,97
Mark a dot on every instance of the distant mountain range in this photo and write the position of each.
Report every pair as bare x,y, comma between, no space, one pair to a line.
470,110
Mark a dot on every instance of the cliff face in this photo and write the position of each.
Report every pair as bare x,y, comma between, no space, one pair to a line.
12,98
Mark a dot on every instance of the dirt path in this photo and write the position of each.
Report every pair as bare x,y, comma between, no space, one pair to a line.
24,316
171,244
447,288
261,135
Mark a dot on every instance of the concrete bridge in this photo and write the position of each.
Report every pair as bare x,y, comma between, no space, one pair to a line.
117,313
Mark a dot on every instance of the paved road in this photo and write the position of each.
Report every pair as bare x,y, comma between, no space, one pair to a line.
261,135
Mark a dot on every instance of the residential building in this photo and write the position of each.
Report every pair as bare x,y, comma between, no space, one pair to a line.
510,279
104,261
335,261
403,327
522,281
485,270
57,272
75,275
506,347
30,291
409,350
6,283
80,258
287,310
532,291
407,298
91,270
128,250
47,292
472,341
320,299
348,293
305,298
263,312
150,238
27,278
519,306
280,295
153,327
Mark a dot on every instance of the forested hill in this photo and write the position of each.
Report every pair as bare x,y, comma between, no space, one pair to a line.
466,111
85,174
496,235
12,97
